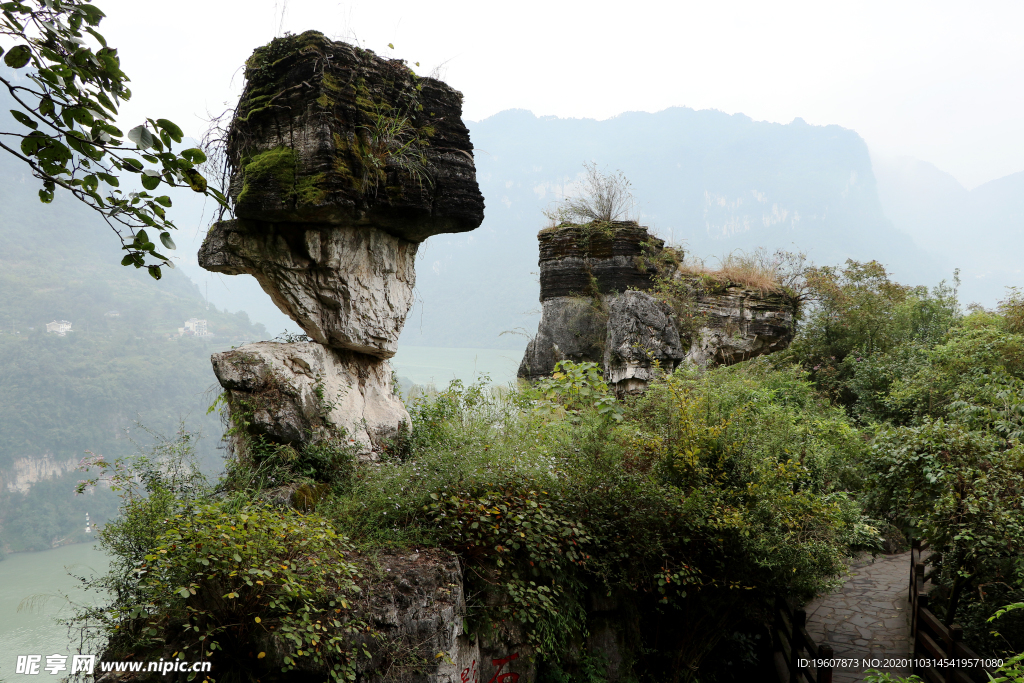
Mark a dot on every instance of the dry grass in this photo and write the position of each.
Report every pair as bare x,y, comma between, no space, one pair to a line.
758,270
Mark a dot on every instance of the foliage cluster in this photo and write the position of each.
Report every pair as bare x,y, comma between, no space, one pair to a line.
696,506
601,199
940,394
690,503
66,105
207,576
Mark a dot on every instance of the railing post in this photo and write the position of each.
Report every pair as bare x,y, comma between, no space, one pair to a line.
796,643
824,672
915,551
956,634
921,603
916,591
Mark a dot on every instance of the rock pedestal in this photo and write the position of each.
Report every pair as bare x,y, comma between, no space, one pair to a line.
300,393
342,163
600,305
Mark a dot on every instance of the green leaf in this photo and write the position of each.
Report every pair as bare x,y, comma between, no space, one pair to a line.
238,558
183,592
163,200
142,138
171,129
23,119
18,56
195,180
150,182
165,238
154,272
196,156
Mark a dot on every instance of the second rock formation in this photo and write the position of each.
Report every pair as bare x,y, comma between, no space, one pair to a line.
614,295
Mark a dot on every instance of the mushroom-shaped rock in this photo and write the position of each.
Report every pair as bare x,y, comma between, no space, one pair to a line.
341,162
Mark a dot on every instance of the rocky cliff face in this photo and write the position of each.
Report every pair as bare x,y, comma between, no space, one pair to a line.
601,304
343,162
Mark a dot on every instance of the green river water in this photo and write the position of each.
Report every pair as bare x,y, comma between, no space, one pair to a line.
33,631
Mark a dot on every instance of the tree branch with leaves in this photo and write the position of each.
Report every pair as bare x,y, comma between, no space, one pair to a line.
67,102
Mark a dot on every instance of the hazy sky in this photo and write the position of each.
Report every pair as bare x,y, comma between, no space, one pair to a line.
940,81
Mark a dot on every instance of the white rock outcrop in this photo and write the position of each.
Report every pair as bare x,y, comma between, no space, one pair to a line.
299,393
346,287
27,471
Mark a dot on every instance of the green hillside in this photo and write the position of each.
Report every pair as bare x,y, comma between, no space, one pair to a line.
91,389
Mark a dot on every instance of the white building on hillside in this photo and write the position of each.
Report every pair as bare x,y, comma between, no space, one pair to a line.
59,327
194,327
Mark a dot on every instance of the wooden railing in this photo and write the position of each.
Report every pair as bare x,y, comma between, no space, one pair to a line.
933,641
792,644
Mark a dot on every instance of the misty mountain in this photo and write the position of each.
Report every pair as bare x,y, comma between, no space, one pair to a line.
123,360
711,181
980,231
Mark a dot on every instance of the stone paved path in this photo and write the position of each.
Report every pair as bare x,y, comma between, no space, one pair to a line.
867,617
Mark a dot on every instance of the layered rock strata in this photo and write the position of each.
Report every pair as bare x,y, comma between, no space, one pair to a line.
599,305
329,133
342,162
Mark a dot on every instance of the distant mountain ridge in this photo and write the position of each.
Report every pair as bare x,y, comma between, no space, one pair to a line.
980,231
714,181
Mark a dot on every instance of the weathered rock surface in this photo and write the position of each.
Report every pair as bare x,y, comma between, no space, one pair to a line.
571,328
346,287
740,324
300,393
326,132
640,331
582,260
597,307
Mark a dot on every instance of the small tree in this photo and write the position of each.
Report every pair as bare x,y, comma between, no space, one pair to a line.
603,198
66,104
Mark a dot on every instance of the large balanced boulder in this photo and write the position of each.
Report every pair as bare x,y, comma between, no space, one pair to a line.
327,132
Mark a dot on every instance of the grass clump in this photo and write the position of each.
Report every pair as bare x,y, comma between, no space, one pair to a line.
776,273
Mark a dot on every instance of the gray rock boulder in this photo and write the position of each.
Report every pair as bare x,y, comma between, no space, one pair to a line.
571,328
641,333
301,393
